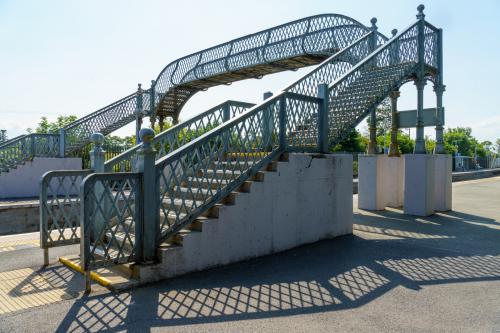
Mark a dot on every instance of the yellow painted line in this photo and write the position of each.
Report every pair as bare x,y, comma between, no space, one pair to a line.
93,275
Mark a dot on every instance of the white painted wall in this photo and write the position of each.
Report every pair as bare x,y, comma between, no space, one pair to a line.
443,181
24,181
371,182
419,190
306,200
405,181
380,182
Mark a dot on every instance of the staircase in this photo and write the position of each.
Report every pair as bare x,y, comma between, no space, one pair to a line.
290,46
128,216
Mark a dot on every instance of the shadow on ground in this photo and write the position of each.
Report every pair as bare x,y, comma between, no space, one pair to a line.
388,249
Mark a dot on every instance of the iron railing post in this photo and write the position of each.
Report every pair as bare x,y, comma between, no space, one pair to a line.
32,145
43,217
152,115
373,38
439,88
138,114
373,116
267,124
323,118
62,142
394,52
145,164
282,122
97,160
420,82
226,112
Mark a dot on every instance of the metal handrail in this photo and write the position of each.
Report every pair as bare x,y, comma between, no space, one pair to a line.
161,86
174,130
22,148
281,100
260,106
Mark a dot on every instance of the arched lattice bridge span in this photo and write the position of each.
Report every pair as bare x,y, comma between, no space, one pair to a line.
290,46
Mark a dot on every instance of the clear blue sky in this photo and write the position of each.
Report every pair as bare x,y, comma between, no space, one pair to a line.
73,57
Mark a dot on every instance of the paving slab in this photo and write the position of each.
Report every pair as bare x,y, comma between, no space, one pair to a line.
396,273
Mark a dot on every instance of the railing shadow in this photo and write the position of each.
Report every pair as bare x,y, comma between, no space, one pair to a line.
330,275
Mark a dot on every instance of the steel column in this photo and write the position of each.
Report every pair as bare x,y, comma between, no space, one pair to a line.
323,118
420,82
97,160
282,123
146,165
394,148
138,114
152,113
439,89
62,142
267,123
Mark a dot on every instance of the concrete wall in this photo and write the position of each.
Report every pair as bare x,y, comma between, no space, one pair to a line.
18,218
419,183
381,182
307,199
23,182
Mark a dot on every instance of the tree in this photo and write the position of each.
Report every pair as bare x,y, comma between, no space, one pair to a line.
355,143
46,127
497,146
460,140
406,143
384,118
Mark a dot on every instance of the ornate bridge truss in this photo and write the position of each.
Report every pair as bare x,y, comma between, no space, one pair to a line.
183,172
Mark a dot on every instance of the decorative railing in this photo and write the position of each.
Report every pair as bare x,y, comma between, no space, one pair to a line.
126,215
315,34
180,134
106,120
288,121
17,151
112,219
368,83
321,34
60,208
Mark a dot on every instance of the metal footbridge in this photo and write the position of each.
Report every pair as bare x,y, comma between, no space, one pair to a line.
123,209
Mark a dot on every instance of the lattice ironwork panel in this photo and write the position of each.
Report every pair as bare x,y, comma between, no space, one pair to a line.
17,151
364,87
220,163
112,219
180,134
60,207
332,68
302,123
430,46
104,121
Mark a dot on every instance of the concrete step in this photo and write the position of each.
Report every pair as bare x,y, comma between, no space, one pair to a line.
121,238
178,238
115,278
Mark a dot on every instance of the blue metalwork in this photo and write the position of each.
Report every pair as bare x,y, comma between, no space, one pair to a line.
292,45
180,134
191,175
60,207
25,147
113,200
193,178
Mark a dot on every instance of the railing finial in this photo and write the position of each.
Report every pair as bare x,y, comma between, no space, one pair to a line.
420,14
374,23
97,139
139,87
394,32
146,135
